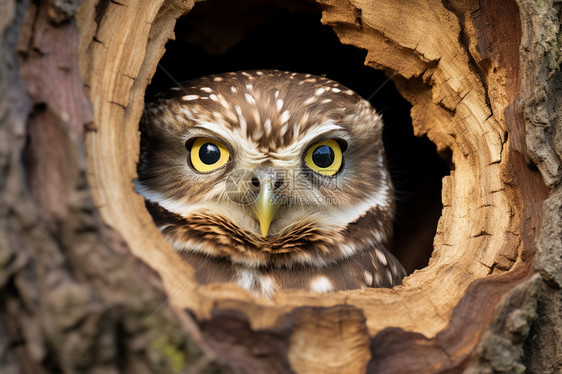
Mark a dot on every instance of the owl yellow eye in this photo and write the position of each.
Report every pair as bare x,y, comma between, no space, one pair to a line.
208,154
324,157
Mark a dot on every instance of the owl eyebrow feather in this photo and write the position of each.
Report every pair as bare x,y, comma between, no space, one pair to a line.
230,137
312,133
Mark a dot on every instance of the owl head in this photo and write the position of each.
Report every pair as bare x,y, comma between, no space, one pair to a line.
266,168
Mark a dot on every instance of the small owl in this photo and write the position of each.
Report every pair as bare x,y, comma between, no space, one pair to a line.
270,180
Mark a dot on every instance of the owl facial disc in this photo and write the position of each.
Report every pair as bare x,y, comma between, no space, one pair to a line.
271,180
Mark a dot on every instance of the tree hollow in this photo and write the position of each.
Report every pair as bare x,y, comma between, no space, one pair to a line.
461,79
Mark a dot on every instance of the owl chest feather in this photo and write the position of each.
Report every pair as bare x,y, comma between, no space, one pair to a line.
320,262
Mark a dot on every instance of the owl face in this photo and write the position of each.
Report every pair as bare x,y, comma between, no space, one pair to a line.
266,168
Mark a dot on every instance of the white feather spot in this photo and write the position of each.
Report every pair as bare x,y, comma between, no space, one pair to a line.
241,120
218,79
279,104
378,279
276,94
321,284
188,113
326,101
306,258
218,117
381,257
349,92
368,277
223,102
319,91
206,89
336,90
285,116
246,279
283,129
256,135
296,131
213,97
190,97
249,87
233,89
347,249
310,100
267,285
389,276
267,126
250,99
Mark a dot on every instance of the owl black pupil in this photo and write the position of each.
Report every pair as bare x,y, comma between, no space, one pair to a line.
209,153
323,156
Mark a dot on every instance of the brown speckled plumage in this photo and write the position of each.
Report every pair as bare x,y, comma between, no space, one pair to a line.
334,233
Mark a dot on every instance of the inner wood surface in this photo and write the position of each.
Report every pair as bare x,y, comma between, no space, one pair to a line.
456,103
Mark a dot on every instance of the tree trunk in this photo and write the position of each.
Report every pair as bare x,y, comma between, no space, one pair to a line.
88,285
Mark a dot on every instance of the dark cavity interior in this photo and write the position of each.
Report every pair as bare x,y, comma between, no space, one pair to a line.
218,36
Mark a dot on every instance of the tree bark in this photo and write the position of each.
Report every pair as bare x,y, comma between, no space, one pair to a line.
88,285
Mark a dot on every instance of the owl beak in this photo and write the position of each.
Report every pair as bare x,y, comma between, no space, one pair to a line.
266,206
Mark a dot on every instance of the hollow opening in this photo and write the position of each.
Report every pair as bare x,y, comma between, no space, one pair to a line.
220,36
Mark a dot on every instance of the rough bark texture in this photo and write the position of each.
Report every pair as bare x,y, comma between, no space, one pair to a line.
87,284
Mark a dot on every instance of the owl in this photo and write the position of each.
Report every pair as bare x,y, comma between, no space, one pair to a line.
270,180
